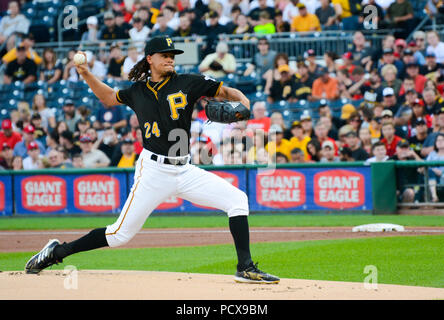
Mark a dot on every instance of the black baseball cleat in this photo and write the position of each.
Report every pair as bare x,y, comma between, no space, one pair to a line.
44,259
253,275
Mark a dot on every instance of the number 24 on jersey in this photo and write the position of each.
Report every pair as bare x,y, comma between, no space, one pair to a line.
151,129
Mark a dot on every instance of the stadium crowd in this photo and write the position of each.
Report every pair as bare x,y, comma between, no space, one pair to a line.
400,88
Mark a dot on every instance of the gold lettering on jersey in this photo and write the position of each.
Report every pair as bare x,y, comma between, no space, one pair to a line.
177,101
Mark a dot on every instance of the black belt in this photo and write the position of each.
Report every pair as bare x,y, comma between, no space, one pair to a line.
174,162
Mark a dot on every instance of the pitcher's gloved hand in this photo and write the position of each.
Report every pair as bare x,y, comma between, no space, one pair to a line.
226,111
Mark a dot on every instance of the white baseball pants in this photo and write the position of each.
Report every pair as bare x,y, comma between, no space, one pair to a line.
155,182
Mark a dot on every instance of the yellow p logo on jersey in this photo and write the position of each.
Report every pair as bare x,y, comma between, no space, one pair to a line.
169,42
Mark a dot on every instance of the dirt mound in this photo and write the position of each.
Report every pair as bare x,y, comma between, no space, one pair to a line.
133,285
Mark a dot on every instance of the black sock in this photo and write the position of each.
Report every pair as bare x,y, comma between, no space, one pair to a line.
241,235
93,240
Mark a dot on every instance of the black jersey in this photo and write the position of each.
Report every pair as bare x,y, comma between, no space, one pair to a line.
165,107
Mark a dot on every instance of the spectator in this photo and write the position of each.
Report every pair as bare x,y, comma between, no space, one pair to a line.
328,152
418,111
379,153
218,64
325,111
388,58
111,117
17,163
358,77
67,142
6,156
305,22
8,135
321,134
69,116
254,14
307,124
277,142
420,40
260,121
22,69
314,150
51,142
265,24
39,133
139,33
413,72
284,88
21,147
431,69
34,158
313,67
91,35
400,16
115,64
435,46
109,143
304,83
325,87
409,176
70,72
345,154
184,29
353,142
299,140
46,114
57,161
417,140
162,27
52,69
297,156
14,22
96,67
213,31
432,101
110,31
417,54
279,158
373,90
130,61
92,158
280,23
436,174
262,60
241,25
171,16
366,139
77,161
439,128
273,74
390,139
126,157
27,42
347,13
326,15
389,100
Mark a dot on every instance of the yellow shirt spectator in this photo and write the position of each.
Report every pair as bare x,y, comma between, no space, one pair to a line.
284,147
11,55
305,21
345,6
301,144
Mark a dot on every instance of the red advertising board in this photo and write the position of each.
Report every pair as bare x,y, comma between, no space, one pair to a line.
43,193
280,189
96,193
339,189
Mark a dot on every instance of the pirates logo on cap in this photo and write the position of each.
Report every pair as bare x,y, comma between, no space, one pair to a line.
169,42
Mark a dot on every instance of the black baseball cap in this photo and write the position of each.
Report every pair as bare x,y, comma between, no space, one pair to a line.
161,44
403,144
439,111
419,121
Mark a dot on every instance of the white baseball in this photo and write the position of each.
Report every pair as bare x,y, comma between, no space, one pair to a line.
79,59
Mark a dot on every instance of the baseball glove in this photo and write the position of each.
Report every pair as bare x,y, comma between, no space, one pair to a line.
226,111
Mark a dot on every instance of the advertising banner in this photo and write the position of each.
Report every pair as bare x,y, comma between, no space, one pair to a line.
75,193
310,189
6,201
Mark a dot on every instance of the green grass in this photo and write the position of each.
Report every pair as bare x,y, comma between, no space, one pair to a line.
409,260
221,221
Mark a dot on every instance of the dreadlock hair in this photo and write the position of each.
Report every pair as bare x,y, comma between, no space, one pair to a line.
140,72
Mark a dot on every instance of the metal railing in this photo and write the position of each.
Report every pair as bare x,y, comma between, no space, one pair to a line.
421,186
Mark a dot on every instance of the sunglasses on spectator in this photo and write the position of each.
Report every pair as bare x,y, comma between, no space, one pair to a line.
419,39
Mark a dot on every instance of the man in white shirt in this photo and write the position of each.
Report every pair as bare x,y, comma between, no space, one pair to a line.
14,22
96,67
34,158
132,58
379,153
139,33
92,158
435,46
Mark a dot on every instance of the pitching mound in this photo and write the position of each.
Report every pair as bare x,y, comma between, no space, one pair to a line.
110,285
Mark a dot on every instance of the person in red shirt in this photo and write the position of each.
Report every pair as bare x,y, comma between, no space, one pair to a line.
260,120
390,139
8,135
412,70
